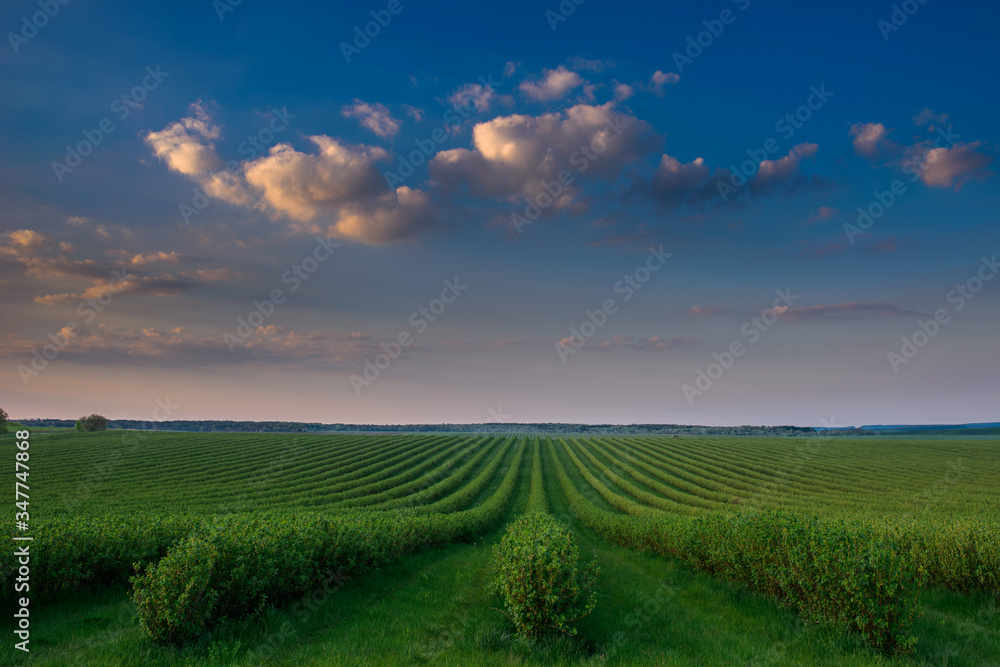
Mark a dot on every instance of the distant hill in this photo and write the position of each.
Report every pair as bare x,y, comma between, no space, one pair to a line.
551,428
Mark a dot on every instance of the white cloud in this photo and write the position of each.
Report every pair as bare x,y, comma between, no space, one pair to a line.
375,117
186,145
225,186
518,155
305,185
338,189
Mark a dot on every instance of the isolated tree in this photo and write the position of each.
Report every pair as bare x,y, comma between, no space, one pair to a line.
92,423
3,420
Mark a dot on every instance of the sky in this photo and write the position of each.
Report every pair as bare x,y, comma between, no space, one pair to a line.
724,213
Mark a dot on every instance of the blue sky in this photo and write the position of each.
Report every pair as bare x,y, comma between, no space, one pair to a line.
126,277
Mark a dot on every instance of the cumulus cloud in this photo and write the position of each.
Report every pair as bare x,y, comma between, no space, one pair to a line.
518,155
27,240
659,80
306,185
623,91
785,168
473,95
675,183
553,85
226,186
928,117
388,217
338,187
375,117
77,220
186,145
944,167
869,138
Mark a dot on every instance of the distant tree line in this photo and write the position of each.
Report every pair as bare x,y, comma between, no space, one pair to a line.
549,428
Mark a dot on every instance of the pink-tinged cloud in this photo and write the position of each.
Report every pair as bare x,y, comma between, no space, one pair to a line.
554,84
783,169
474,95
869,138
822,213
945,167
623,91
699,311
659,81
375,117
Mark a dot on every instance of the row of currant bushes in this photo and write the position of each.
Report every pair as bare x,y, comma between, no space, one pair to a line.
71,553
829,571
232,567
962,556
74,553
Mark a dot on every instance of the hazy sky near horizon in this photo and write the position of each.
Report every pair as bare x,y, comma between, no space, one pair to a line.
733,212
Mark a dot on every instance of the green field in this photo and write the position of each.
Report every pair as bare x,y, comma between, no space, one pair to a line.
375,549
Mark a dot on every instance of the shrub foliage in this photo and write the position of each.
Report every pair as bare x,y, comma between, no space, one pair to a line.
539,577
